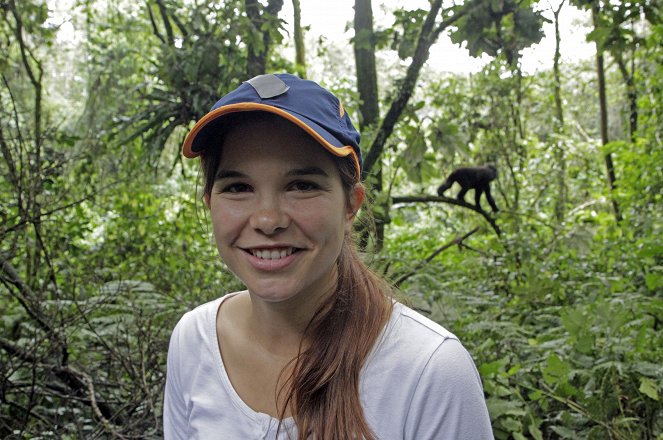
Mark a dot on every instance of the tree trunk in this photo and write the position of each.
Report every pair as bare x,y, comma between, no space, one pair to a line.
603,107
256,63
364,48
300,48
367,85
631,95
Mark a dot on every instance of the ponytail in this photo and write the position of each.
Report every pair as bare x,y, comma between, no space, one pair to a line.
323,389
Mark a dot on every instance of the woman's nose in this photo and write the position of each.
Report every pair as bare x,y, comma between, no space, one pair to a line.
269,218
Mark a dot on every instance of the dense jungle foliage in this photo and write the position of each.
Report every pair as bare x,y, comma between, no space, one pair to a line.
104,242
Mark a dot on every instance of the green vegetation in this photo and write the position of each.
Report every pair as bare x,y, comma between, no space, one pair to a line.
104,242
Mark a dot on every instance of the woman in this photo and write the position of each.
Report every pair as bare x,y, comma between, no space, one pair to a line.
314,347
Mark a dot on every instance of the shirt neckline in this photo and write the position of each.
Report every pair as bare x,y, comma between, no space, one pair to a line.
264,419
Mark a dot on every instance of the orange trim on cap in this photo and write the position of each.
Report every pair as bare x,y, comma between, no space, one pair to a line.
252,106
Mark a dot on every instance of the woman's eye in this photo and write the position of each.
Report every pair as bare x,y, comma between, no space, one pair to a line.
303,186
236,188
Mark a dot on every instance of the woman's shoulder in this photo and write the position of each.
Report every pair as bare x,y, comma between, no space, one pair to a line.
413,342
410,323
198,318
420,380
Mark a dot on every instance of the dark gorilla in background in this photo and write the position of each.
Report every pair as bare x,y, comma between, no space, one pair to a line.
477,178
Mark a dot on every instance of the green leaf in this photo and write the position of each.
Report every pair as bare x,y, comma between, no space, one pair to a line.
649,388
514,426
565,432
654,281
535,432
574,320
490,368
501,407
556,370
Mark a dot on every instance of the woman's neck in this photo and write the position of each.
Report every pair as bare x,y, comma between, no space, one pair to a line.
280,326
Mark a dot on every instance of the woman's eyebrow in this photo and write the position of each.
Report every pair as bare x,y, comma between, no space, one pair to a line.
227,174
307,171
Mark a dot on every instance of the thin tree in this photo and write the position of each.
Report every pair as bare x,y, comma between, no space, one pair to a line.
559,120
300,48
603,109
429,33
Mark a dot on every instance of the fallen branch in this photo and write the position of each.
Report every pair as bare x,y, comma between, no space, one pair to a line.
24,294
16,351
76,381
97,410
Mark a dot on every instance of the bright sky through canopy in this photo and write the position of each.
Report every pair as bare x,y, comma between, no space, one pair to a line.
330,19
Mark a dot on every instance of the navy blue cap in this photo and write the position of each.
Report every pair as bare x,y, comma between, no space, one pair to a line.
305,103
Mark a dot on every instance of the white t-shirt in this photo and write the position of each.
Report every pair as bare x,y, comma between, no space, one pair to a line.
418,383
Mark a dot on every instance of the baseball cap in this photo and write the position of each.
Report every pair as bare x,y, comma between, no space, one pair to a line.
303,102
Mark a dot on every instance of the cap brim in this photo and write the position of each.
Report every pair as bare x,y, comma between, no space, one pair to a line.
206,129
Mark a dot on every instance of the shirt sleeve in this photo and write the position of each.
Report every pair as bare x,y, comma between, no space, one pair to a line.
448,402
175,420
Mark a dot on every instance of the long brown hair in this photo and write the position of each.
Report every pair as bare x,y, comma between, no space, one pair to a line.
323,389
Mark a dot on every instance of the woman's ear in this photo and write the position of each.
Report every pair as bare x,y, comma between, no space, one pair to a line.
356,199
206,200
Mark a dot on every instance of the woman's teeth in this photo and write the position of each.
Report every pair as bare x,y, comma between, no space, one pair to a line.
272,254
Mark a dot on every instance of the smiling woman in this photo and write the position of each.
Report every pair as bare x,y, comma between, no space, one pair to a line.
279,211
315,347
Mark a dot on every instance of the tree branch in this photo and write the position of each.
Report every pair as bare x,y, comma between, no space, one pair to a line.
428,35
9,160
455,241
155,29
434,199
36,83
27,220
166,22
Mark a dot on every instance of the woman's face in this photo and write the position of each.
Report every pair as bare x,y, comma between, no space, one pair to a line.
278,210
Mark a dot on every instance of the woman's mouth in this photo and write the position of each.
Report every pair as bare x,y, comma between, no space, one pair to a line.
272,253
